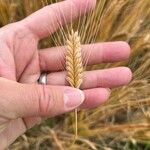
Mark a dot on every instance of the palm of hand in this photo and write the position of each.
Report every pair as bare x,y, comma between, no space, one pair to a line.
19,54
19,61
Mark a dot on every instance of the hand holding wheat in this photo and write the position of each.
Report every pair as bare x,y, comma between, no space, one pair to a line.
22,102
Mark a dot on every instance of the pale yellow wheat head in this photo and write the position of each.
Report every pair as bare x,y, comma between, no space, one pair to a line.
74,65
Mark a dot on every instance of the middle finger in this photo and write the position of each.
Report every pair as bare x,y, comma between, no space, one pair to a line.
107,78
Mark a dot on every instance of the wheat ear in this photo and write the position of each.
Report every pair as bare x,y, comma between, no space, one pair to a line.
74,66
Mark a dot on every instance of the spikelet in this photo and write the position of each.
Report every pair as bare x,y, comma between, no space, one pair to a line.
74,65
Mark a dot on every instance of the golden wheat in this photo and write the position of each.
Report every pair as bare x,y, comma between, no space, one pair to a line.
74,66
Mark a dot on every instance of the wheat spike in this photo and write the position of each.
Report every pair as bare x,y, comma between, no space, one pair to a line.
74,67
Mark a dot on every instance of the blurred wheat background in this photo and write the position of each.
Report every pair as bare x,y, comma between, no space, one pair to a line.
123,123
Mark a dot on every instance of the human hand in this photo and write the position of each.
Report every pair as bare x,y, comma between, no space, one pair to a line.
22,101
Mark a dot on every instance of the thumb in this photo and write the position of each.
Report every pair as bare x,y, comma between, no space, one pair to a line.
23,100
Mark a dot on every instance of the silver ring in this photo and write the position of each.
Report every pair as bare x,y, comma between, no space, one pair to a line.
43,78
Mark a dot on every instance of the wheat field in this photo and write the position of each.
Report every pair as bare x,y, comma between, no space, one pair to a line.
123,123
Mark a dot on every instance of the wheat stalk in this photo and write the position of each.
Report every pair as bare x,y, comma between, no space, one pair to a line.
74,66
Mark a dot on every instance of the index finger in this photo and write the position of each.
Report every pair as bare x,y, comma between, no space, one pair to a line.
50,18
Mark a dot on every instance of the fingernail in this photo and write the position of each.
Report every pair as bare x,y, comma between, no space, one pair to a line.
73,98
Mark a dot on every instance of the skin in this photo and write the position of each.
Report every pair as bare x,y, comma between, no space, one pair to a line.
23,102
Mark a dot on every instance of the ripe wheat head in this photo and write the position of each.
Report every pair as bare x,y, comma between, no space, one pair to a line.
74,66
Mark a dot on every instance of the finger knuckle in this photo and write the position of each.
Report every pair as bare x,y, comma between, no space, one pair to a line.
46,101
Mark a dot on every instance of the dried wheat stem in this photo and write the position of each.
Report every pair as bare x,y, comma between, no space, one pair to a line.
74,65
